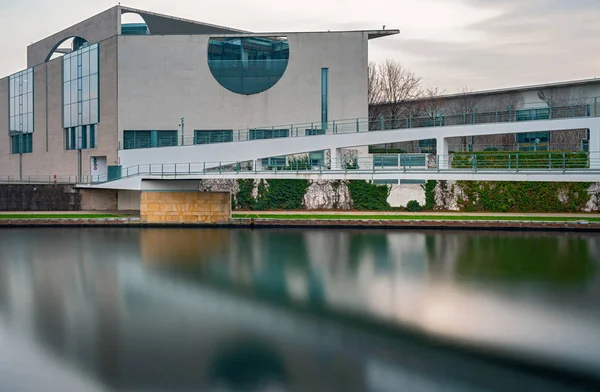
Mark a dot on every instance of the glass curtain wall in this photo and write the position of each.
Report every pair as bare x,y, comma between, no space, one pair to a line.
81,104
21,111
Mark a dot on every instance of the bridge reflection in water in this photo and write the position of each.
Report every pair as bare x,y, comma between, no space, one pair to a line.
171,309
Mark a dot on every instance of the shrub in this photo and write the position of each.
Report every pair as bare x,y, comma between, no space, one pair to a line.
414,206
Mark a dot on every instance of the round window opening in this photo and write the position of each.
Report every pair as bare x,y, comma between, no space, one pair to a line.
248,65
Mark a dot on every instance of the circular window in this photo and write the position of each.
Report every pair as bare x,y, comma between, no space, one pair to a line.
248,65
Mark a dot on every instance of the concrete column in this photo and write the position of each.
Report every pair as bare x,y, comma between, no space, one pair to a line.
336,156
442,152
594,148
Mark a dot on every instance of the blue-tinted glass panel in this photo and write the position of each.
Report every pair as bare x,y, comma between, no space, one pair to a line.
412,182
93,86
385,160
385,182
92,136
212,136
313,132
257,134
413,160
94,112
165,138
274,162
20,111
248,65
80,89
94,59
324,92
134,29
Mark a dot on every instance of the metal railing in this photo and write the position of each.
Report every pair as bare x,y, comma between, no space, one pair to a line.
513,162
554,109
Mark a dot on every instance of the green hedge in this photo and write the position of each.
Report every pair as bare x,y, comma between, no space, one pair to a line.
522,196
525,160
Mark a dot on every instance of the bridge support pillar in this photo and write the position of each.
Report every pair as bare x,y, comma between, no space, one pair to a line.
594,148
185,206
443,155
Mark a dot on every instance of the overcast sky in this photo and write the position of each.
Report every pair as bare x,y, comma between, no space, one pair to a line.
449,43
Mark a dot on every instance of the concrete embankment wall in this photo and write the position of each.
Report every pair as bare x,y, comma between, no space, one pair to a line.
44,197
17,197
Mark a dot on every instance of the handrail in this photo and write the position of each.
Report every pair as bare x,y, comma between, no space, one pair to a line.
559,162
553,109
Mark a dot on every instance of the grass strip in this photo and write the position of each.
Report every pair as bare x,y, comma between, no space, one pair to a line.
58,216
417,217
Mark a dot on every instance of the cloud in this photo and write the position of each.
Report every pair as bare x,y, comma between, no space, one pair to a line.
530,42
450,43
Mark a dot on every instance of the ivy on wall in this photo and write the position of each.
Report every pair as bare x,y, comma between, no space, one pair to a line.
281,194
522,196
429,189
367,196
243,198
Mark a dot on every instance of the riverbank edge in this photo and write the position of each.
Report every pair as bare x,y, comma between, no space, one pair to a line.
488,225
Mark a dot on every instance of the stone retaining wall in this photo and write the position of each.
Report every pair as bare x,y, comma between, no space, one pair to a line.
185,207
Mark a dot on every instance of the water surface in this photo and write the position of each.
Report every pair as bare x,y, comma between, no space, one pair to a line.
194,309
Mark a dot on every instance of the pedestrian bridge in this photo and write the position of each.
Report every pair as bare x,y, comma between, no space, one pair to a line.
551,167
239,154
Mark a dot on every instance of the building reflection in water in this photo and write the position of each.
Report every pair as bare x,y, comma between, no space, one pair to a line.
137,309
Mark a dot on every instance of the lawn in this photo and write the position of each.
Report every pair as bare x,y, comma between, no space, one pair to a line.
417,217
58,216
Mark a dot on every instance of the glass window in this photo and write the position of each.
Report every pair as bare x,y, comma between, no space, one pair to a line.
85,88
385,160
248,65
81,85
94,112
30,103
86,112
93,86
212,136
20,107
94,60
73,91
67,93
67,116
92,136
324,91
73,61
66,70
74,112
85,63
30,122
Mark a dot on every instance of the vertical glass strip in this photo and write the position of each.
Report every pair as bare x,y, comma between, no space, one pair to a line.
324,90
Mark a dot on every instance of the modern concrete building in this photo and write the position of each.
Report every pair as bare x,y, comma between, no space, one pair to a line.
126,86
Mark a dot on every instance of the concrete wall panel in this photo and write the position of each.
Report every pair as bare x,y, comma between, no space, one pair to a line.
95,29
163,78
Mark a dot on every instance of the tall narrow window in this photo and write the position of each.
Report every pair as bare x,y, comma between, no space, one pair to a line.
324,88
80,96
21,111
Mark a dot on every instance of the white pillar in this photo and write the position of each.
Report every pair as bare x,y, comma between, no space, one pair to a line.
335,158
442,152
594,148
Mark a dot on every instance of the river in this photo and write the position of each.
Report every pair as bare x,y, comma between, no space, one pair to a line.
297,310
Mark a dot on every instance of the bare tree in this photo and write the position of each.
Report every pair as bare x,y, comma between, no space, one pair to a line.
399,88
375,97
431,103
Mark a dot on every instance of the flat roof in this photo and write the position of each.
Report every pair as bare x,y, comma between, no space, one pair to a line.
371,33
503,90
